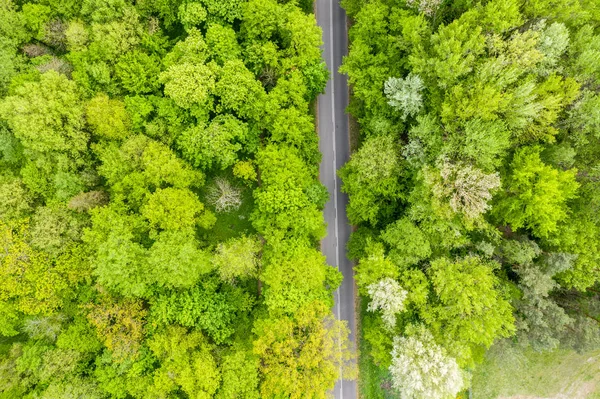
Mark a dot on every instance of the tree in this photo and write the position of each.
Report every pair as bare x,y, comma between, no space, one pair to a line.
238,258
15,200
222,43
107,117
467,189
583,53
228,10
44,327
137,72
215,145
236,84
215,308
316,77
79,335
281,200
141,165
579,236
119,259
47,116
76,36
246,171
262,20
536,194
192,50
54,229
302,355
103,11
387,296
86,201
119,325
240,375
30,283
35,18
176,209
469,309
408,244
224,196
186,363
427,7
175,261
540,321
554,41
294,274
486,143
371,179
191,15
305,40
373,267
454,51
405,94
422,369
73,388
190,85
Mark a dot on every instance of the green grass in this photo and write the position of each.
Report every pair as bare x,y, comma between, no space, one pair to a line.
354,132
373,381
509,371
234,223
7,342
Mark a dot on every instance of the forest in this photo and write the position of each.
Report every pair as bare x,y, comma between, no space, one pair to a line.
160,208
476,185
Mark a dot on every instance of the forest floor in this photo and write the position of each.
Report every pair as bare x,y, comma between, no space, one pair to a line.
512,373
374,382
234,223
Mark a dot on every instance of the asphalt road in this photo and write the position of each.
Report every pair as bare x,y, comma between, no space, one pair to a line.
334,144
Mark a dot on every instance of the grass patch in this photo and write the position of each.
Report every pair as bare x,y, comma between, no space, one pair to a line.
509,371
373,381
230,224
353,130
7,342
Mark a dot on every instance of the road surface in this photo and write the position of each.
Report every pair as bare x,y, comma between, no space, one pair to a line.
334,143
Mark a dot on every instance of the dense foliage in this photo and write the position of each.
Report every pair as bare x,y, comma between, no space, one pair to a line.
160,209
475,186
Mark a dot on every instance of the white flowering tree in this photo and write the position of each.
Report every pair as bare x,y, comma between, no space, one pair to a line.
388,297
553,43
466,188
405,94
427,7
421,369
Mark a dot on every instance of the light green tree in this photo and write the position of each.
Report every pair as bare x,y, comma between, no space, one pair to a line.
107,117
371,179
304,354
294,274
239,370
238,258
468,310
536,194
215,145
235,87
138,72
175,261
176,209
47,116
408,244
186,363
